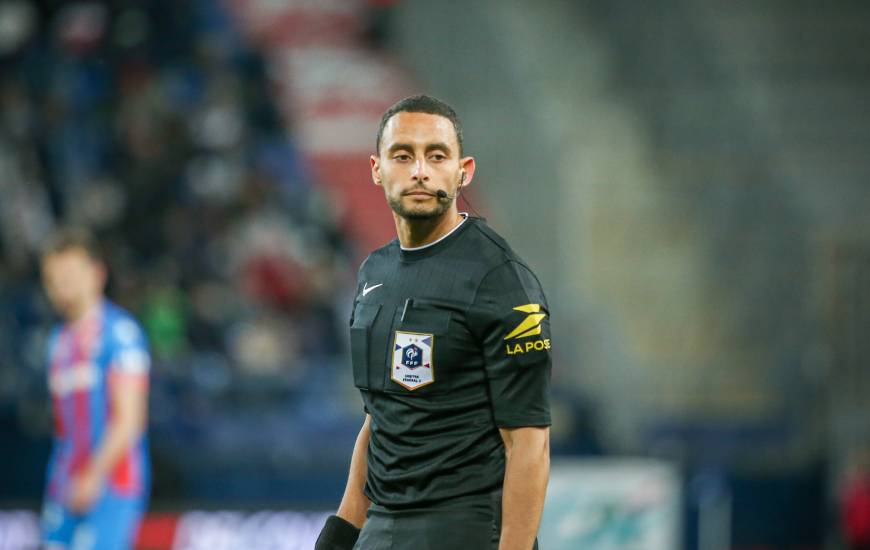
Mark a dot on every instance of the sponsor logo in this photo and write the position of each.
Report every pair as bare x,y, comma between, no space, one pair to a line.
78,377
366,289
226,530
412,359
531,325
526,347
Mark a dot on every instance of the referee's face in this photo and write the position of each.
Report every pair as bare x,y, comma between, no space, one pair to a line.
419,156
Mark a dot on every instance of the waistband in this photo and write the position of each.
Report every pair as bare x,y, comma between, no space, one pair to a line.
486,504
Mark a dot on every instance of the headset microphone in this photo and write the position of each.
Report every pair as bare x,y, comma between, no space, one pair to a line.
442,194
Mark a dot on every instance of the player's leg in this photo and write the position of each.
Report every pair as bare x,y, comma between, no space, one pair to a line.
112,524
58,526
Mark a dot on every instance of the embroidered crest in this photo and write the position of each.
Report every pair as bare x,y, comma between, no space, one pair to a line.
412,359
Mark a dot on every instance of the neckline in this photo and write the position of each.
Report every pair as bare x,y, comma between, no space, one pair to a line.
419,252
89,318
439,239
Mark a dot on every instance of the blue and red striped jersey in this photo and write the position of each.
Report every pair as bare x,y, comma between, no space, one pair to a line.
84,359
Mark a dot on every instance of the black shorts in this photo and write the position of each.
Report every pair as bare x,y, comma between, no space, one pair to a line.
465,528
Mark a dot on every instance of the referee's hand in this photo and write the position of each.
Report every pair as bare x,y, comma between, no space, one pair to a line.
337,534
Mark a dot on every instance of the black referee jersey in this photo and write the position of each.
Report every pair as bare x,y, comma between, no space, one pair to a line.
449,343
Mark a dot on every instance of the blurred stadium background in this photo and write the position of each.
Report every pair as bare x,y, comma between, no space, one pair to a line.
690,179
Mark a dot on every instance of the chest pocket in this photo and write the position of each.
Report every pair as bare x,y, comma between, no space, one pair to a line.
416,354
361,343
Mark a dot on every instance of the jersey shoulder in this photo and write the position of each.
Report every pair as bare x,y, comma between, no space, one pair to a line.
122,329
492,247
128,346
388,252
504,268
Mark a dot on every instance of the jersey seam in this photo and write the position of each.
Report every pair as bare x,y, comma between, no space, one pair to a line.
511,258
503,248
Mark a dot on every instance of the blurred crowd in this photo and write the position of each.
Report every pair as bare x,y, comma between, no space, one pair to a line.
155,125
152,124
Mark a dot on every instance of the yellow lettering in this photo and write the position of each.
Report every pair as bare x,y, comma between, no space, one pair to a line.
537,345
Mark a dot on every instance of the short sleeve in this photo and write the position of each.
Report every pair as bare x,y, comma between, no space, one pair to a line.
511,319
130,349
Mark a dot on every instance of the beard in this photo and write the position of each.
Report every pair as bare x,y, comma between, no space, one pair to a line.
418,212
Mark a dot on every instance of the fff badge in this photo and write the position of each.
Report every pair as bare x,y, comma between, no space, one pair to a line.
412,360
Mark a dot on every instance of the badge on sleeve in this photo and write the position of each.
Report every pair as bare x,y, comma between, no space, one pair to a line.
412,359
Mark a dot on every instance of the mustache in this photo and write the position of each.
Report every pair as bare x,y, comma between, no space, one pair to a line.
417,189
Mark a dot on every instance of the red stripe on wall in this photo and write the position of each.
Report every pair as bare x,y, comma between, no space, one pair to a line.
363,208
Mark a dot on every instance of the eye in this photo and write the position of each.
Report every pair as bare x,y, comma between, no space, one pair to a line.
402,157
438,157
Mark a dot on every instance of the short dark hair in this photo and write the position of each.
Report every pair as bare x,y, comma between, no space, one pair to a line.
421,104
68,238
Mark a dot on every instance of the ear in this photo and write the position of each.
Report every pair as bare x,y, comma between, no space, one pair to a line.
467,165
376,169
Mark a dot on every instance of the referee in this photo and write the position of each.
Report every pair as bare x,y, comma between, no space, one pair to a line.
450,344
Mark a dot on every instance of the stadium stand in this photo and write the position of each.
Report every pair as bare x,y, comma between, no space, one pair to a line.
157,126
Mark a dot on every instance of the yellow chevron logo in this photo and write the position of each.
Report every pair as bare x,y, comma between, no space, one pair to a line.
531,325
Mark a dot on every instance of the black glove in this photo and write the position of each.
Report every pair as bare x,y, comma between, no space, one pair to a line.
337,534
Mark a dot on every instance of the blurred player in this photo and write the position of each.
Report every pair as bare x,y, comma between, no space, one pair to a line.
98,380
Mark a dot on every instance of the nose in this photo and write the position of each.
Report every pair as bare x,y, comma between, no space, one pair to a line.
419,173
